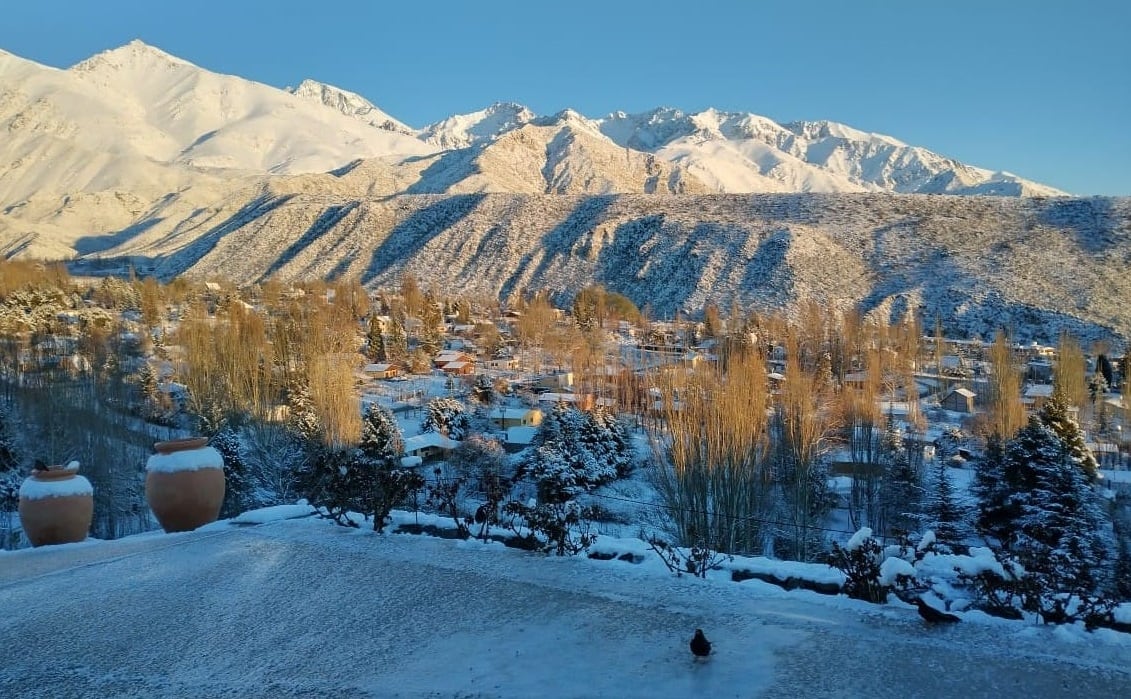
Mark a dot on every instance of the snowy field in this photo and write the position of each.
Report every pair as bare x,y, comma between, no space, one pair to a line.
302,608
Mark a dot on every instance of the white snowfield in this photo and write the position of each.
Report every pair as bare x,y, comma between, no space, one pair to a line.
302,608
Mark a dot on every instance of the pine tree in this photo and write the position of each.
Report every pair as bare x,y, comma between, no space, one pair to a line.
431,334
446,416
396,344
1046,513
11,475
901,490
574,451
991,490
1055,416
944,514
484,390
375,348
302,418
381,441
240,486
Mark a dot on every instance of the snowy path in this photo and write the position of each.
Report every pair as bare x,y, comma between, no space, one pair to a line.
302,608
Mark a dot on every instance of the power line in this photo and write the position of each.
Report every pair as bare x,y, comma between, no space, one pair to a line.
742,518
723,515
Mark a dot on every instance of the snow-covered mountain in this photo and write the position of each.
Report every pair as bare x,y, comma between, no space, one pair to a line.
143,157
741,152
463,130
350,104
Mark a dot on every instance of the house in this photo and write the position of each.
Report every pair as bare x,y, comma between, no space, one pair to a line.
449,356
960,400
583,401
560,379
458,368
1036,395
428,444
504,363
382,371
505,418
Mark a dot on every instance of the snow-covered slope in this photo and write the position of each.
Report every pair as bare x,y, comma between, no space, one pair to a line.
463,130
741,152
979,263
562,154
350,104
221,121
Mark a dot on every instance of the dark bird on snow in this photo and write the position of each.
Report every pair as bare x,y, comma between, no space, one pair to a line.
932,615
700,646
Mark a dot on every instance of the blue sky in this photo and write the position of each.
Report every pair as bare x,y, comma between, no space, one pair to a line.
1039,89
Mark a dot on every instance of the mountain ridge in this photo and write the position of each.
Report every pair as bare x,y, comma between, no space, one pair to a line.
140,158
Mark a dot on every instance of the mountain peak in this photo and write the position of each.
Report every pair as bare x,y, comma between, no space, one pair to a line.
349,103
136,53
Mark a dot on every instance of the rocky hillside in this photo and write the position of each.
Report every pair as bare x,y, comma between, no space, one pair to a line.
1032,265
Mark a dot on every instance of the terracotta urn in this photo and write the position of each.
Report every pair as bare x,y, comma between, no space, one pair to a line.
184,484
56,505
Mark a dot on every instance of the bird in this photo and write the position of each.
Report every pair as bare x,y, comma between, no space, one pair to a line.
932,615
700,646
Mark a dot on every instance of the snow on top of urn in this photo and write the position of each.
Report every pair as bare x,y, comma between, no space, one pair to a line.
188,460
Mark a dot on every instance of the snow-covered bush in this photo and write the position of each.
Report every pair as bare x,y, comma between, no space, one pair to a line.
447,416
696,560
860,559
561,528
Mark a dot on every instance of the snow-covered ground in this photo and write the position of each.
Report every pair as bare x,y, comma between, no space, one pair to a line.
300,607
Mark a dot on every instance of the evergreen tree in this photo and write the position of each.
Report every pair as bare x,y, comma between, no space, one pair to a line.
484,390
375,347
1104,369
381,441
991,490
575,451
11,475
303,420
1054,415
1046,513
431,335
446,416
901,489
944,514
396,344
239,491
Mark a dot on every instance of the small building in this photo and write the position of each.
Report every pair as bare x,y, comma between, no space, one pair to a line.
458,368
1036,396
960,400
504,363
560,379
583,401
382,371
505,418
450,356
428,444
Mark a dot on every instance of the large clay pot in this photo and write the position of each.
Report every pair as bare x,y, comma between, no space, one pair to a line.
184,484
56,505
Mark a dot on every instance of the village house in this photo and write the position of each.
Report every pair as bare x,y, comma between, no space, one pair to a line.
505,418
382,371
428,444
559,379
959,400
1036,395
583,401
503,363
